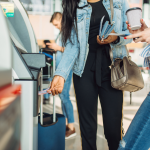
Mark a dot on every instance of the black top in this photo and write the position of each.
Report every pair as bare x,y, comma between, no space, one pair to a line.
101,59
98,11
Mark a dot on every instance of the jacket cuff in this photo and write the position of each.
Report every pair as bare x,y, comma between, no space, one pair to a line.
120,41
61,73
123,41
117,41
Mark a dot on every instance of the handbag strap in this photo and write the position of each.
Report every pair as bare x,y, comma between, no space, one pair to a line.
112,10
112,14
111,54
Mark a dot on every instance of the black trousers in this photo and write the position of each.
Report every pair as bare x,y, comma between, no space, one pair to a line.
87,92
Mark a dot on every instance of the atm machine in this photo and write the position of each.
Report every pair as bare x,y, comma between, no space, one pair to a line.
26,71
10,112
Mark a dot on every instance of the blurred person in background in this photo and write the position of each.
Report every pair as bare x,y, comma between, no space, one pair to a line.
90,63
67,107
46,46
45,43
138,133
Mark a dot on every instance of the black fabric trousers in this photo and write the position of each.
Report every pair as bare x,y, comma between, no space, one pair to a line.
87,92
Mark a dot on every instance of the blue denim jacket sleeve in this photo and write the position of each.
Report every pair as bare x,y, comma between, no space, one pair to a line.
69,56
124,25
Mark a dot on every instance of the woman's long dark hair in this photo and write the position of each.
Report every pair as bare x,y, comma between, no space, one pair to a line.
68,19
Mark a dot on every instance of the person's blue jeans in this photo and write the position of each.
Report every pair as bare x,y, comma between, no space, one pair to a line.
138,134
66,104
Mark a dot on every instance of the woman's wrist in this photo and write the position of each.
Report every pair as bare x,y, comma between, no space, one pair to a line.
61,49
117,41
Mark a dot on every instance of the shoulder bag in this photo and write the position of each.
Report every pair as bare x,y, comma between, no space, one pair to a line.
125,74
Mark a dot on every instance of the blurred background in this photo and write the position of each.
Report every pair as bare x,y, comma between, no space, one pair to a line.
39,13
40,21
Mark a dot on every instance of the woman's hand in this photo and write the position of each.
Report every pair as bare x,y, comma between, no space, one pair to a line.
143,27
143,36
56,85
53,46
110,39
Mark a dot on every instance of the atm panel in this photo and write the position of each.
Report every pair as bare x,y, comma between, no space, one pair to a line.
5,52
23,19
35,60
14,36
20,67
21,29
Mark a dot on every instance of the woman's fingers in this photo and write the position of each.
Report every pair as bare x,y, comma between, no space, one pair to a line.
142,21
144,26
51,89
147,40
53,92
48,43
136,35
138,40
56,85
129,27
56,91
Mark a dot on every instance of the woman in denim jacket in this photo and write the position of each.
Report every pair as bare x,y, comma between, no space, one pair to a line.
90,64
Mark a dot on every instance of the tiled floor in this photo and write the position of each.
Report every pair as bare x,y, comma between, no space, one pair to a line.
128,114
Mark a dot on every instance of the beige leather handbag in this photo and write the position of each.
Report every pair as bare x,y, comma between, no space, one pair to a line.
125,74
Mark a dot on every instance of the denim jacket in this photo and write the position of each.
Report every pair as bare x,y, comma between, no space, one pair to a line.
75,55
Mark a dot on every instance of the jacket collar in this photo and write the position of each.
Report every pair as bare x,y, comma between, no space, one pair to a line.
83,3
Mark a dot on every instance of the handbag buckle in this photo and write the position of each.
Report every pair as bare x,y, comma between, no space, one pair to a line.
117,59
